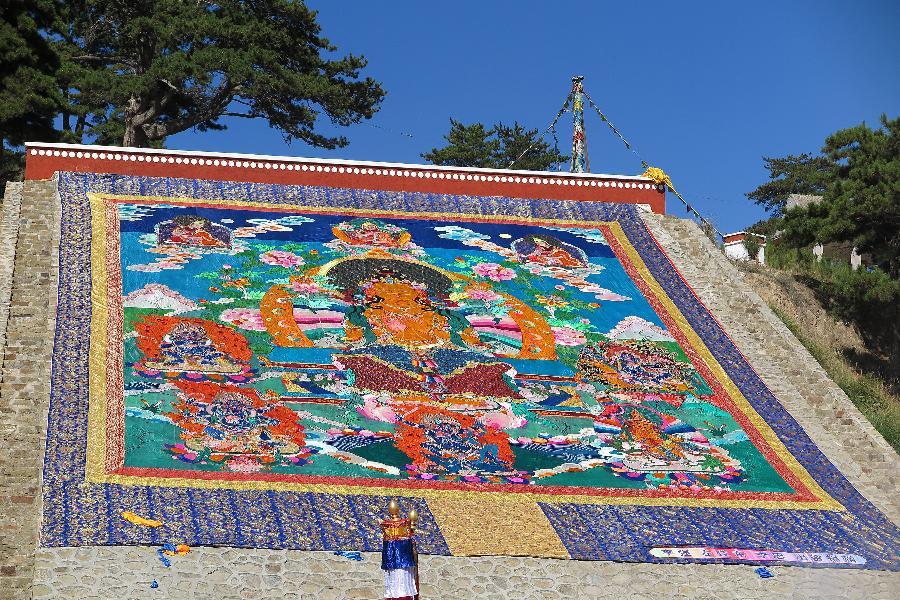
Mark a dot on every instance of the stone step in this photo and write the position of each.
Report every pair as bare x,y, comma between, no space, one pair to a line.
26,248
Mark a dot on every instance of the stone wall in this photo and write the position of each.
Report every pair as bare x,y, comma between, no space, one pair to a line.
226,573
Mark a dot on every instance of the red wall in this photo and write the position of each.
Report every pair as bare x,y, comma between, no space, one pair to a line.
44,160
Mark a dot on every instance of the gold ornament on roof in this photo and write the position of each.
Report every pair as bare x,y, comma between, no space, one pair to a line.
658,176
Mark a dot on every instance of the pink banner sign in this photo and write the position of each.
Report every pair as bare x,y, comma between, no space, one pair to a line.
750,555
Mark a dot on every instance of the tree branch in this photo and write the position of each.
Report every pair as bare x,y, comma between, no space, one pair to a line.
106,59
215,106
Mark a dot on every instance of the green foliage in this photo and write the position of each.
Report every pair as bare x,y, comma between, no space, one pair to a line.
858,176
495,148
862,204
751,243
137,72
868,393
467,146
803,174
29,97
767,227
867,298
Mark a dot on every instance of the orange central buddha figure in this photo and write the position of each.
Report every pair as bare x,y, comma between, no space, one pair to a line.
406,339
401,314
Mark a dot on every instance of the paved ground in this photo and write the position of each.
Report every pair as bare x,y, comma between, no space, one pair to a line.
27,288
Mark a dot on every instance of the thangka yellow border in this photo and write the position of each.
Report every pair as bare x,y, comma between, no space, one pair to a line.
95,471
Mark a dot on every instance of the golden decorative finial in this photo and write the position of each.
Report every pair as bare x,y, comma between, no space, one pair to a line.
413,518
393,509
658,176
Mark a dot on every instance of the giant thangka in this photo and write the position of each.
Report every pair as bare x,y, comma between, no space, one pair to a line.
261,365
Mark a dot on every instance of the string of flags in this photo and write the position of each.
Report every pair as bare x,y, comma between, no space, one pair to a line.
552,127
612,127
654,173
658,176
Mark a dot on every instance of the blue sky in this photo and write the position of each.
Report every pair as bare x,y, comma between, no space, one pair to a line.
701,89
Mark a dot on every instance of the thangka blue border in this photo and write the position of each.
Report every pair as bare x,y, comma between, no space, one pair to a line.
77,513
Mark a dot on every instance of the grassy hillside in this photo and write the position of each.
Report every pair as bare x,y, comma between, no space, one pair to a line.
857,367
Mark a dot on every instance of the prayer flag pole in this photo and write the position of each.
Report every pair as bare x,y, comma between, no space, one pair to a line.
579,142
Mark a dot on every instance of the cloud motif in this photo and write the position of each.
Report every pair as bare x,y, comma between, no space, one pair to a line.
460,234
261,226
173,256
594,236
294,220
136,212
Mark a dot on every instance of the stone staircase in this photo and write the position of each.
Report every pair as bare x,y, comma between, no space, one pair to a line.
26,272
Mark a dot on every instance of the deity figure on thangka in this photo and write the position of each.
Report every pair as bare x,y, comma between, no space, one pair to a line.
194,349
191,230
550,252
391,361
235,426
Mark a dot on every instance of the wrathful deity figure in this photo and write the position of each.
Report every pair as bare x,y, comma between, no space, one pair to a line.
195,348
187,347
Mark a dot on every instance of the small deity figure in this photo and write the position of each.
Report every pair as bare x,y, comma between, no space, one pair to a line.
191,230
187,347
658,448
637,366
443,442
370,232
549,252
451,447
654,443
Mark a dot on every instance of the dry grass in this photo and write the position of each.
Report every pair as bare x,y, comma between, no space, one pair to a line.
869,394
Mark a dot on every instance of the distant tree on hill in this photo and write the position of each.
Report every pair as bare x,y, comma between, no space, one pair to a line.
137,72
495,148
29,96
803,174
858,177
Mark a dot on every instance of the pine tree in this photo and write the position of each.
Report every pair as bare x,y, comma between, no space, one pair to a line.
137,72
803,174
497,147
29,96
861,204
522,147
467,146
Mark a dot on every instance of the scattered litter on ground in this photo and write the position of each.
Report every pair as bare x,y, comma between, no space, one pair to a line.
153,584
170,549
764,572
139,520
350,555
176,550
162,558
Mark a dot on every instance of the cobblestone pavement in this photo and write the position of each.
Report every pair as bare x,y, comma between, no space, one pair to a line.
226,573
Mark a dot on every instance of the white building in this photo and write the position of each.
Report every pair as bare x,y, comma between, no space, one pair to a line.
736,249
